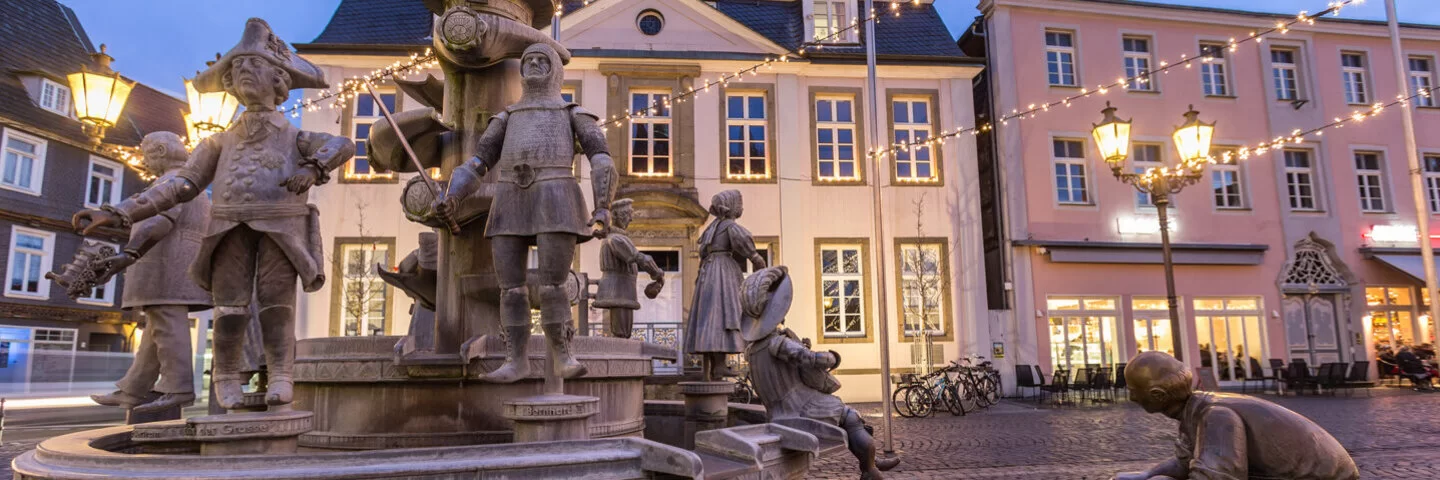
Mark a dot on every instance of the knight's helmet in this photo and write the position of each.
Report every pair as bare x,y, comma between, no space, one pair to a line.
161,152
545,88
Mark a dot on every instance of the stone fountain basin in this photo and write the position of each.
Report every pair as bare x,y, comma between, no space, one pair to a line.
749,448
110,453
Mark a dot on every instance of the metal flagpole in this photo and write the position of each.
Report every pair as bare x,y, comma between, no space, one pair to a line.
873,119
1417,181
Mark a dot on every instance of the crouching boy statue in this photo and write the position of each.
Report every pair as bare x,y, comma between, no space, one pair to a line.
791,380
1226,436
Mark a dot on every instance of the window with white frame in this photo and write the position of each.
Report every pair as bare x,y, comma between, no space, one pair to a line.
1144,157
832,21
1432,181
54,97
835,138
842,290
1137,62
1352,71
1370,179
363,294
1060,58
24,162
367,112
1225,182
923,287
102,294
1071,186
911,124
1422,79
1300,180
567,94
650,134
746,136
1213,72
106,179
31,253
1285,74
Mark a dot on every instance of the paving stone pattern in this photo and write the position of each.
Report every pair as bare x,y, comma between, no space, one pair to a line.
1394,434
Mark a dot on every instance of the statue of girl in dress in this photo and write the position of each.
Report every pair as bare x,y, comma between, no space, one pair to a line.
713,330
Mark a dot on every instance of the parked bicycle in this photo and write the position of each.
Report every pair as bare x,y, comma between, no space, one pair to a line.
960,388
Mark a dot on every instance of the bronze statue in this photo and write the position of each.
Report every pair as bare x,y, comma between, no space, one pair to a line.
262,235
1230,436
537,201
713,330
158,247
620,261
791,380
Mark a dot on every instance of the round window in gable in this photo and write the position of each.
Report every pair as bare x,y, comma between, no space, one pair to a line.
650,22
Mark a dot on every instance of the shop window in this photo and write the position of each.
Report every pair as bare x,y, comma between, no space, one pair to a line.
1083,331
1151,319
1391,312
1231,337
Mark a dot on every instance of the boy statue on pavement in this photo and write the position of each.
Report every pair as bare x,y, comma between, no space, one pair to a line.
1227,436
263,236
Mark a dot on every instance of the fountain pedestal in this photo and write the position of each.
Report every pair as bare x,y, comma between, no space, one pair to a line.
706,407
549,418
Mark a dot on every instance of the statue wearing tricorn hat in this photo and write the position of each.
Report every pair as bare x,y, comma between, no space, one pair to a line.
263,236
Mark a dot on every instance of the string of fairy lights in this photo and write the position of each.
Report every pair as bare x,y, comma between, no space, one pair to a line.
418,62
1123,83
355,86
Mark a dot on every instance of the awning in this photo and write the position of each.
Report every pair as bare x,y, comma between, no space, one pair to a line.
1411,265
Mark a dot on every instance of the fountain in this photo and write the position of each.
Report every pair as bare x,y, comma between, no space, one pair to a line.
460,395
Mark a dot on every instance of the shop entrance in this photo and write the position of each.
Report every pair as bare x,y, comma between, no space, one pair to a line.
1315,292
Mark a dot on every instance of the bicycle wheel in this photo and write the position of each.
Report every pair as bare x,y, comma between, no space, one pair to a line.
741,394
921,402
898,401
965,393
951,396
992,390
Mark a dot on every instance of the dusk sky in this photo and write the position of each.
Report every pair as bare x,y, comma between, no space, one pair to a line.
159,41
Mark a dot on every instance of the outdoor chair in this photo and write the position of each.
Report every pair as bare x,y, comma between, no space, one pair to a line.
1057,386
1025,378
1120,384
1080,383
1358,378
1297,377
1331,377
1257,374
1100,384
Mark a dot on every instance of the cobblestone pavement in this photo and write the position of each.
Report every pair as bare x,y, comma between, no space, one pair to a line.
1394,434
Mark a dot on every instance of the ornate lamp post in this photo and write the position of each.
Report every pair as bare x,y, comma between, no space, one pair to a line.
1192,140
209,112
100,94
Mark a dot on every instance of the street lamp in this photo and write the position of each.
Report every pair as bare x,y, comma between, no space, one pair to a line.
100,94
209,112
1192,140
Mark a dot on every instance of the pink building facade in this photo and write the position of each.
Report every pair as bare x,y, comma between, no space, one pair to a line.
1305,252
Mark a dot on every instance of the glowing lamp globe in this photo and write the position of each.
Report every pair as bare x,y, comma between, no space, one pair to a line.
1192,139
1112,137
100,94
209,112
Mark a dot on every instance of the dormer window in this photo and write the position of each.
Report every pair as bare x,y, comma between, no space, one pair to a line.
54,97
832,22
